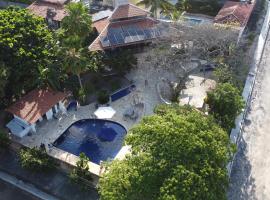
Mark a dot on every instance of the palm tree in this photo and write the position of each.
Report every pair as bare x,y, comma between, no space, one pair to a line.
156,5
75,28
75,62
185,4
76,25
175,15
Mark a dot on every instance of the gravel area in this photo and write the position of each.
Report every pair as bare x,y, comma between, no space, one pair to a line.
250,177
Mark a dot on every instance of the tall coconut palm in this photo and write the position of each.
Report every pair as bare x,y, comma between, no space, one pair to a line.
155,5
75,62
76,25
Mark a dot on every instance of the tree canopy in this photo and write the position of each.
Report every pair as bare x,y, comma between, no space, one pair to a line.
75,29
156,5
178,153
26,51
225,103
76,26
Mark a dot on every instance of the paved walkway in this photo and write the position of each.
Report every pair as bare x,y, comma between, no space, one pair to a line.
10,192
250,174
25,187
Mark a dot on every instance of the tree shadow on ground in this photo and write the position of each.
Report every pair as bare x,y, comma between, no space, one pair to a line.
242,184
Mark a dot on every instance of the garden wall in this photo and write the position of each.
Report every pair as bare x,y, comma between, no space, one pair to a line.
61,164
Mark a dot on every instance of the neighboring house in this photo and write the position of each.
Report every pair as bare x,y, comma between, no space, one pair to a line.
125,26
32,108
235,13
53,11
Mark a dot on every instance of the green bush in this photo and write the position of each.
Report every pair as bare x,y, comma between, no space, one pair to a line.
80,174
251,36
103,97
225,103
4,140
82,95
36,159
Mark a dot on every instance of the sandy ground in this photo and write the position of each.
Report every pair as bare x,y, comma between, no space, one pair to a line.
251,171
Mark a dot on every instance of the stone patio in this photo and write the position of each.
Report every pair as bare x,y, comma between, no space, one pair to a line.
145,77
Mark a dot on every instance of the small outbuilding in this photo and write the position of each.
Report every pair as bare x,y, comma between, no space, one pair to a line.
236,13
32,108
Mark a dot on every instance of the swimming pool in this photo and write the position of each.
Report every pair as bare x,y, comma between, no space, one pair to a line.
193,21
122,92
98,139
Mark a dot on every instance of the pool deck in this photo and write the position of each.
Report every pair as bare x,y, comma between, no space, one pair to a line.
146,78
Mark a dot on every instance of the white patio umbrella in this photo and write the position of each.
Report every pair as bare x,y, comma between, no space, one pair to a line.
105,112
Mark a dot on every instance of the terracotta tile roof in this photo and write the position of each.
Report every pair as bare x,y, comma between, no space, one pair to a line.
234,12
40,8
100,24
35,104
141,23
128,11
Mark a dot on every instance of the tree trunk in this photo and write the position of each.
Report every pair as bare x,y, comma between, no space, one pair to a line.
80,81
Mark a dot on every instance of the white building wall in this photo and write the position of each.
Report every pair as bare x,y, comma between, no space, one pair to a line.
49,114
21,120
24,132
33,128
62,107
56,109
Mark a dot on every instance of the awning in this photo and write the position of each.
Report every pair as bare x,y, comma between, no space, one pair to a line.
105,112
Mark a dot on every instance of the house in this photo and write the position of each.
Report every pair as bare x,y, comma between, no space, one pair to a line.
235,13
126,25
53,11
32,108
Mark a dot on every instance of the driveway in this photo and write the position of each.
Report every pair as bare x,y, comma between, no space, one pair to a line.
8,192
251,171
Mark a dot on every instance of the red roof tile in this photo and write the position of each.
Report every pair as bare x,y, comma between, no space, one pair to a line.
141,23
35,104
127,11
40,8
100,24
234,12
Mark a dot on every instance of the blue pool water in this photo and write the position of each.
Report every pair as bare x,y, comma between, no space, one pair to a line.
123,92
193,21
98,139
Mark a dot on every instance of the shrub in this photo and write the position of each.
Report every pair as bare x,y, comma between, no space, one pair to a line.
36,159
4,140
225,103
80,174
251,36
103,97
82,95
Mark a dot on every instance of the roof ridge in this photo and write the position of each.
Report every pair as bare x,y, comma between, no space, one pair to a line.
130,4
98,37
139,7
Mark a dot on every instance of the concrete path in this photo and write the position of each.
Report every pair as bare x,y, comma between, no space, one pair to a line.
11,192
26,187
251,170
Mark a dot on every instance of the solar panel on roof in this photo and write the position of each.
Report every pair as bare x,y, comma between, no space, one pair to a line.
147,33
119,38
105,41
